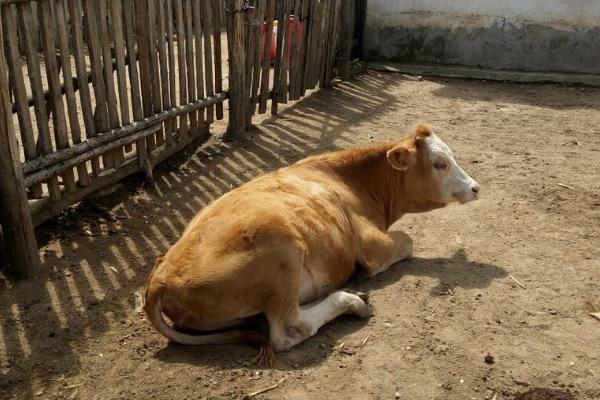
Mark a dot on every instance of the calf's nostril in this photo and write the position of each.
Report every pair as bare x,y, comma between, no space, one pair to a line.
475,189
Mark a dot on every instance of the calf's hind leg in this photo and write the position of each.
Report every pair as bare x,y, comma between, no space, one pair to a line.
290,328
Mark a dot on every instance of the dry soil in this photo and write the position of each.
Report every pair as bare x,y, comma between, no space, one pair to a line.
451,323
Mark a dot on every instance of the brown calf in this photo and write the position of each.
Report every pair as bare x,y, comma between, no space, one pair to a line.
284,244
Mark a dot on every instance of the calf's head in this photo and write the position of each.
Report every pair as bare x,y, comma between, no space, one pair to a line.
430,172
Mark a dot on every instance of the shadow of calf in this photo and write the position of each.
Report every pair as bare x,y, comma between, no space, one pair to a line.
453,272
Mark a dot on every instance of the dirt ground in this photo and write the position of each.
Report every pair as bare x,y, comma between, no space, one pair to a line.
451,323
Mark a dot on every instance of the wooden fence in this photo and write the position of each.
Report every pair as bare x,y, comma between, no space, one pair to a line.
95,90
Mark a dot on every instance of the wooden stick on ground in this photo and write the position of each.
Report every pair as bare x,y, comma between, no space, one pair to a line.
261,391
366,339
564,186
517,282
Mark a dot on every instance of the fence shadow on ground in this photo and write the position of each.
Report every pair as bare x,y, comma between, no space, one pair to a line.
102,252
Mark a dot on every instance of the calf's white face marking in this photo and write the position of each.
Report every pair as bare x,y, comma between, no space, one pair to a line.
454,184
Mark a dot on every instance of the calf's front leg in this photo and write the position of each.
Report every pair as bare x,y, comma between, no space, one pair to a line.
383,249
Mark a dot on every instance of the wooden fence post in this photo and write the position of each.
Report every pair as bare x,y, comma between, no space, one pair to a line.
238,93
19,237
347,17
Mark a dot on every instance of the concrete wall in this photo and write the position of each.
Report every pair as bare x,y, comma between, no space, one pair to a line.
527,35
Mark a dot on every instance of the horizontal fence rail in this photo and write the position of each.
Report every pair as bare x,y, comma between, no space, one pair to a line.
96,90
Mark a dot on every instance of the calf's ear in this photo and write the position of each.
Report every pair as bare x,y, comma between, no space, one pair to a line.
421,133
401,157
423,130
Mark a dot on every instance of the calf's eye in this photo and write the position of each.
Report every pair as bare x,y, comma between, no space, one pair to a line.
441,165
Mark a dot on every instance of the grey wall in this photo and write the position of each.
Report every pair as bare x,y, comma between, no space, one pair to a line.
526,35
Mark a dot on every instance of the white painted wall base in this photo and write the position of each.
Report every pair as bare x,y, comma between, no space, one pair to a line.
527,35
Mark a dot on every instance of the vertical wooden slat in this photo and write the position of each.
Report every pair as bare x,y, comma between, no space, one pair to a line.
346,35
324,13
278,59
334,41
15,217
266,60
208,70
44,143
319,41
321,38
183,99
172,81
9,19
199,57
217,25
329,52
315,43
293,50
134,79
116,157
294,46
238,99
65,58
280,74
332,44
157,139
143,42
189,56
82,75
21,36
284,75
313,16
249,47
93,44
54,27
257,49
164,72
309,13
304,8
118,39
56,101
